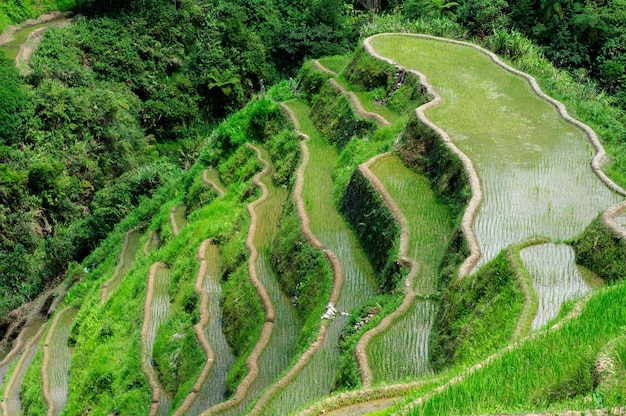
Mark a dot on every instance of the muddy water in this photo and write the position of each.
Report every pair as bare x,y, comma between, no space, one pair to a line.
60,360
11,49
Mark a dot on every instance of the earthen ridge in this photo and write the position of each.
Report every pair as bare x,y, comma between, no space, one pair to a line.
198,329
608,217
173,222
212,184
270,315
392,392
157,389
18,368
337,281
477,195
118,266
362,359
322,68
356,104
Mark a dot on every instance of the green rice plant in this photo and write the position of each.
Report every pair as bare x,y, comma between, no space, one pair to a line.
214,388
602,251
516,140
60,359
15,376
277,355
555,277
402,351
316,379
544,372
127,256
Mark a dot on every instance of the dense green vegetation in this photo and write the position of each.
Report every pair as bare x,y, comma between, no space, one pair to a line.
125,108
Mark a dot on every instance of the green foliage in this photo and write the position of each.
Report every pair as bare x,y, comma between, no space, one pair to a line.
482,17
374,226
368,72
423,150
302,271
15,106
601,250
361,320
242,311
477,314
335,118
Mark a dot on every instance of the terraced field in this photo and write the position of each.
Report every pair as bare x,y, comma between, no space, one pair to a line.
530,174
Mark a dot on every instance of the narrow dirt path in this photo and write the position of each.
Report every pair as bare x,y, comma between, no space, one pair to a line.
11,405
306,357
146,345
270,315
199,331
213,181
56,362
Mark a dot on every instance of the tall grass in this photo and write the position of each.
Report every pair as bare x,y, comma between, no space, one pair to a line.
550,372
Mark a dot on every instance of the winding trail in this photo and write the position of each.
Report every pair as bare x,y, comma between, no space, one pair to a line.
270,315
56,362
153,316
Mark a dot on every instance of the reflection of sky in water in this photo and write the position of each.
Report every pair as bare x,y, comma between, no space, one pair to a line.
555,278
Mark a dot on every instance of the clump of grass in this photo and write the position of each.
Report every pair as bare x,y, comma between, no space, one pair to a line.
602,251
477,316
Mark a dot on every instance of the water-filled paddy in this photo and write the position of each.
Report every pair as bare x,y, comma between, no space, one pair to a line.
12,48
315,380
214,388
402,351
281,348
533,165
555,277
60,359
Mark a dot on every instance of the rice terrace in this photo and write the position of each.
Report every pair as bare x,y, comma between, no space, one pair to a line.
417,228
